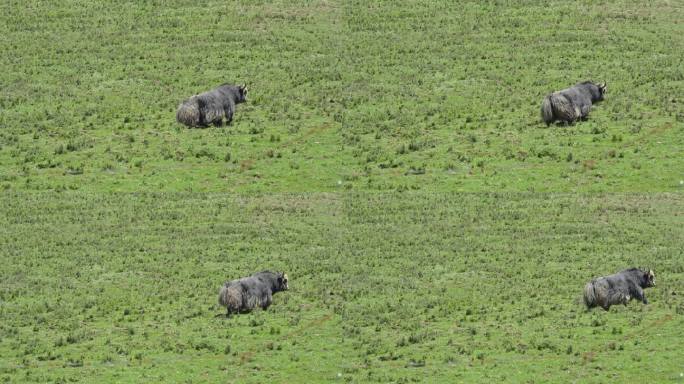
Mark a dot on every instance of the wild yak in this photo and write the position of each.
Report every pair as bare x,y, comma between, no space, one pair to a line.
619,288
212,106
245,294
572,104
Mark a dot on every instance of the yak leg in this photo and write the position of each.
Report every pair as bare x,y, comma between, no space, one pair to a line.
229,114
577,114
584,115
639,295
267,300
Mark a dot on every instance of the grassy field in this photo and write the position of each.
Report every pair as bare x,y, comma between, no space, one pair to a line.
391,158
384,288
430,95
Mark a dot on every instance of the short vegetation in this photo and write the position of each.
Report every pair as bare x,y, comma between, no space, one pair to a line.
423,95
390,157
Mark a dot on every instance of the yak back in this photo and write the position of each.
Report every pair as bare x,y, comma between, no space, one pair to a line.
579,95
218,98
625,279
257,284
231,92
588,91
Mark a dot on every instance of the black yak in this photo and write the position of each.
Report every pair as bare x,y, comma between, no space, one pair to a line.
245,294
619,288
212,106
572,104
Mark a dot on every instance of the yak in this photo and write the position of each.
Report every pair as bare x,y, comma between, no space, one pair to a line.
212,106
572,104
618,288
243,295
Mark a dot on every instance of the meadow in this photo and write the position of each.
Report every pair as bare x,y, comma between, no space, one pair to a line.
397,287
390,158
430,95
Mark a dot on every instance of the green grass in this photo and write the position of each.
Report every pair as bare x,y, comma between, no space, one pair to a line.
344,94
390,158
384,288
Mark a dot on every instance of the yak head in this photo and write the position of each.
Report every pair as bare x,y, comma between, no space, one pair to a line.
602,88
596,90
282,281
242,93
649,279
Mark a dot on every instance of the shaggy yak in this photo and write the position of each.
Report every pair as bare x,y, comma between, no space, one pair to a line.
212,106
572,104
245,294
619,288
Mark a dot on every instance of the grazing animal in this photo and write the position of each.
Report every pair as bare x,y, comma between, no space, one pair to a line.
619,288
572,104
245,294
212,106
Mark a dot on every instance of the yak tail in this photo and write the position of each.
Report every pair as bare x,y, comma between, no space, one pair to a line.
188,112
547,110
590,295
231,298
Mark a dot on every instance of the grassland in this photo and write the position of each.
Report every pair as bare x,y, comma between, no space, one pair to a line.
430,95
390,158
385,288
